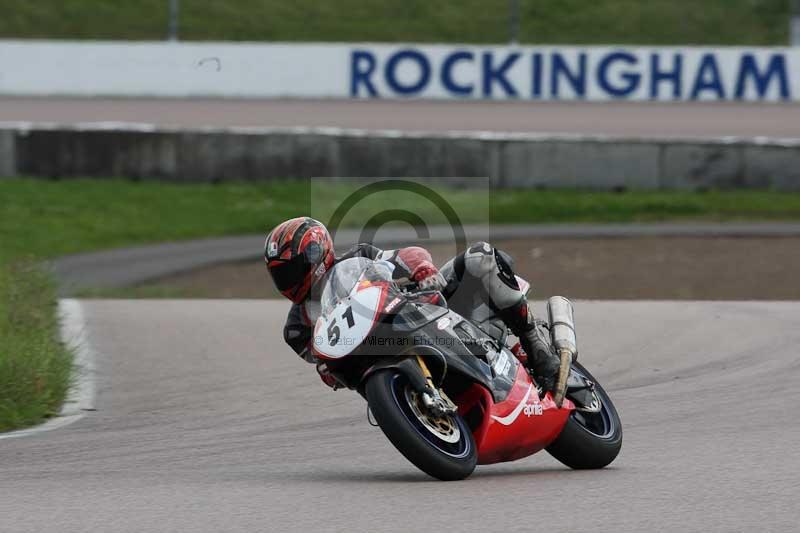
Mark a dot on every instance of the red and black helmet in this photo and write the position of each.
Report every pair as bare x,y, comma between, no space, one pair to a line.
298,252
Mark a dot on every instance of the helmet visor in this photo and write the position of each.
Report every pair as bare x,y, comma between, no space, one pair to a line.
291,273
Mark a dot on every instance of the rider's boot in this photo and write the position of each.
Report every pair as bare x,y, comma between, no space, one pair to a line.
543,362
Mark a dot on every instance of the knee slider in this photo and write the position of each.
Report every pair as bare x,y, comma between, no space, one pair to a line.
493,268
479,260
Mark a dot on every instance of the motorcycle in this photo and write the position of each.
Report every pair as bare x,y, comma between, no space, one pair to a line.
446,388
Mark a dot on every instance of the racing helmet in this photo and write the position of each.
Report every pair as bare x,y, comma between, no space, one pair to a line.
298,252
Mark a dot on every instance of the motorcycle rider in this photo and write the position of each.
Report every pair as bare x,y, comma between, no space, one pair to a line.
299,251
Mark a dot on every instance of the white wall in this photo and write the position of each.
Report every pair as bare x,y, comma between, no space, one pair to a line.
398,71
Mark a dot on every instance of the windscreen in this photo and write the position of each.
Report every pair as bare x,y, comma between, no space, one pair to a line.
343,277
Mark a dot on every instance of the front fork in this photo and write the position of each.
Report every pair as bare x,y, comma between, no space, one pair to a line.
434,400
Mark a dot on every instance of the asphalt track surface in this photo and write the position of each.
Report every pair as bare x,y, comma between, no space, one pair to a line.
618,119
206,422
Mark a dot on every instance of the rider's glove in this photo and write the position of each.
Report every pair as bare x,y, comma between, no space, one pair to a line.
326,376
428,278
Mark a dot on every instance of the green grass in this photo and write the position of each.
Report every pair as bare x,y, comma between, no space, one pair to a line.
747,22
35,368
44,219
52,218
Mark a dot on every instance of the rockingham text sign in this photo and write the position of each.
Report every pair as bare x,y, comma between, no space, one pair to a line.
576,73
400,71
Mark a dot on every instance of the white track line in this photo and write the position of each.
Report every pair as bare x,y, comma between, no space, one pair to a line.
81,395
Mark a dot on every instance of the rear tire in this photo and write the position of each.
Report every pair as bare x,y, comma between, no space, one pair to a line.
447,455
589,441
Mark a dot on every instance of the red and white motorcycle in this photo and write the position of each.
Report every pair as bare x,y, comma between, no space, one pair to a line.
445,388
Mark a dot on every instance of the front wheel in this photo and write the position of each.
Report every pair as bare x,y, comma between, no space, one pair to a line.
589,439
442,447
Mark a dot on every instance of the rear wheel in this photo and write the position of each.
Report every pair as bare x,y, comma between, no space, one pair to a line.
589,439
442,447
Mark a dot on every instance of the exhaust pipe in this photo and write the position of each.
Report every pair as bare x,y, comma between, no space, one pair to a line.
562,324
562,334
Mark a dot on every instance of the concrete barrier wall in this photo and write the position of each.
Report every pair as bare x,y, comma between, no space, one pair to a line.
510,160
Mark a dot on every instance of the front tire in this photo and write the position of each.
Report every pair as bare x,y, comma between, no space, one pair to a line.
589,440
442,448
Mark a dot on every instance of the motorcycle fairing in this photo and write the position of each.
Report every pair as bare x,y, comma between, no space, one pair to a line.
414,316
342,330
472,357
516,427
